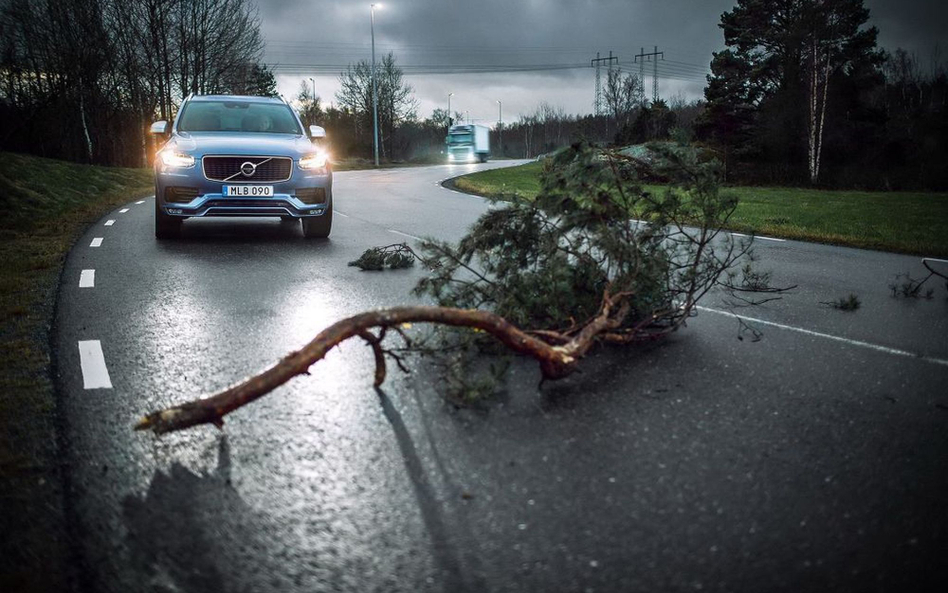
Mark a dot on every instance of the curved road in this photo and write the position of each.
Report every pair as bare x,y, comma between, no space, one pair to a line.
813,459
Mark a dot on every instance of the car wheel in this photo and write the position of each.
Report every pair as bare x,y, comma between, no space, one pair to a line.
166,227
318,227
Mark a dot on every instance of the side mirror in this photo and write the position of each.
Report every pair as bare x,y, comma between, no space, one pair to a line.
317,132
159,127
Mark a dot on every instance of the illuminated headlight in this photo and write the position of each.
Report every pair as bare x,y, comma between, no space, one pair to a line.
314,161
176,160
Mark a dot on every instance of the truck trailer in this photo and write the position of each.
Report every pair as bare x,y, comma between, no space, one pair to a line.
468,143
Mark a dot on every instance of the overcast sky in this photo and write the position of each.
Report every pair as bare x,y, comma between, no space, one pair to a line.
438,43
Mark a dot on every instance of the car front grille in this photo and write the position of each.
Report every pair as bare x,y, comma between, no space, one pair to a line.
228,168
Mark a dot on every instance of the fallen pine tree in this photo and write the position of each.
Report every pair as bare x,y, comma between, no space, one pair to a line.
592,259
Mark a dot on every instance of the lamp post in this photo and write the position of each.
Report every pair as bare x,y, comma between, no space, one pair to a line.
313,111
449,109
500,125
375,93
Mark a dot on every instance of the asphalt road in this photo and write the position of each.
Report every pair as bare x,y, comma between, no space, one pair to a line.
813,459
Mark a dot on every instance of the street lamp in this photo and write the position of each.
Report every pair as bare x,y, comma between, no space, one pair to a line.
375,92
449,109
313,104
500,125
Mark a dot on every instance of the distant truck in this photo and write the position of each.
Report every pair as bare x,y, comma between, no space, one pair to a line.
468,143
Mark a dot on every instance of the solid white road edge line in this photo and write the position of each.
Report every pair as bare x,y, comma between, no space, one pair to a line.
140,202
96,242
123,210
109,222
759,237
94,373
87,279
405,234
809,332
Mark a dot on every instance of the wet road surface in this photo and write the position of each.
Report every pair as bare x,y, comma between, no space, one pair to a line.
813,459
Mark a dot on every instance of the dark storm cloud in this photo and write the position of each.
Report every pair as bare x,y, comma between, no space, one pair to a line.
432,38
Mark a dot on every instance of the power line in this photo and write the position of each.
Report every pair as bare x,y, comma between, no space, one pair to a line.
666,70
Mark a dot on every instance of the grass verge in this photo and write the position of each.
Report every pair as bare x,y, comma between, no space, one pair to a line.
906,222
46,205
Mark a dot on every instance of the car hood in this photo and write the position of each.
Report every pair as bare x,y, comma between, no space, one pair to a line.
204,143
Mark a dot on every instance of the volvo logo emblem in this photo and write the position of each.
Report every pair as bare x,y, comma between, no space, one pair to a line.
248,169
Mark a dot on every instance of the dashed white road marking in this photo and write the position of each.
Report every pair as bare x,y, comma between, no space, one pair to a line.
405,234
140,202
95,375
809,332
87,279
97,242
109,222
123,210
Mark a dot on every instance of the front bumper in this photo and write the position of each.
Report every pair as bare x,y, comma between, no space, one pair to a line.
219,205
210,201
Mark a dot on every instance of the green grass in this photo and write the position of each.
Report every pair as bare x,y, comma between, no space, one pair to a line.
907,222
46,204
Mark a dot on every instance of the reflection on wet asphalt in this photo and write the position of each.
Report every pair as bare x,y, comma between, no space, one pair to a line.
700,462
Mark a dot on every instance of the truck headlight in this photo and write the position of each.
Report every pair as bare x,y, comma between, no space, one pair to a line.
314,161
176,160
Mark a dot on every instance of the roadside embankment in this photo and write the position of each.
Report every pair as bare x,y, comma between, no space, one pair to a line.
46,204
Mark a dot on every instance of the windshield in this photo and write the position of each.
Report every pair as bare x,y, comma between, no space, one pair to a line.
238,116
458,138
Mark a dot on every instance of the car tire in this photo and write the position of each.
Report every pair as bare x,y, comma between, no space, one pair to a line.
166,227
318,227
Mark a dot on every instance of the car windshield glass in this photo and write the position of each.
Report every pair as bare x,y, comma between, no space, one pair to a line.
238,116
457,138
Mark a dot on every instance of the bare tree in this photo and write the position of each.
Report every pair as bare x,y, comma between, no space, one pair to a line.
396,102
87,76
623,94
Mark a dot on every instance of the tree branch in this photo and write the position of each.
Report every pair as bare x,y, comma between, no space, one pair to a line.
555,361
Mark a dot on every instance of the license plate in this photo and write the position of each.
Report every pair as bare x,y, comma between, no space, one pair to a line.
248,191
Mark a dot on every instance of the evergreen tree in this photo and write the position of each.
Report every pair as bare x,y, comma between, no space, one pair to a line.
773,84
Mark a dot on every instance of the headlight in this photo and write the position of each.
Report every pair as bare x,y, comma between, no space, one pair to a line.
176,160
314,161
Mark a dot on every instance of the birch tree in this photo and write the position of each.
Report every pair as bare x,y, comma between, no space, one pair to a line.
790,51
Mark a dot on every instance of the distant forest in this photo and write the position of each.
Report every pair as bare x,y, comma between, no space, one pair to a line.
799,96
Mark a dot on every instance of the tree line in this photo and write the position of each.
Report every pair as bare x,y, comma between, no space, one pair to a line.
82,79
803,95
403,136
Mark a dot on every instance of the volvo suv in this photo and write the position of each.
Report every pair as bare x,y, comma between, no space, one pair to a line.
232,155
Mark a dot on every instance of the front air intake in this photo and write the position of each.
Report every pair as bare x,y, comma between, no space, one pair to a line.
180,195
311,195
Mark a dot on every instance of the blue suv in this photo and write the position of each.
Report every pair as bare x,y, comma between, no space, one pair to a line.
241,156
